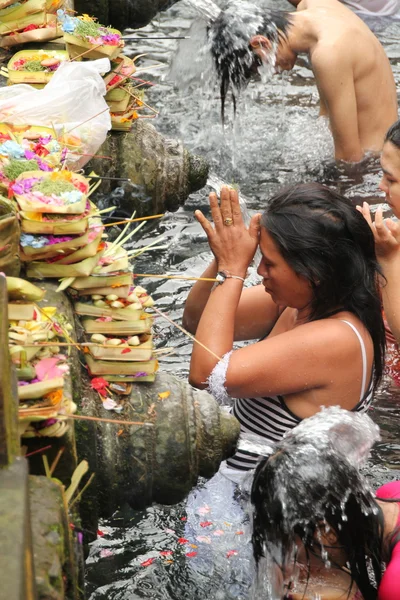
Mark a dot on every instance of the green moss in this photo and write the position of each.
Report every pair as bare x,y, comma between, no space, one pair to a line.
16,167
34,66
50,186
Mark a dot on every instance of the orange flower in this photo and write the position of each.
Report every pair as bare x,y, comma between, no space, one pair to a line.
54,397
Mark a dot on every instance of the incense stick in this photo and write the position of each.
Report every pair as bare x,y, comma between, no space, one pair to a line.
108,178
143,102
86,51
185,332
174,277
89,119
116,421
129,221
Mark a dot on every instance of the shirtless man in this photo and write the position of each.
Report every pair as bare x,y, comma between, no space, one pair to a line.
352,72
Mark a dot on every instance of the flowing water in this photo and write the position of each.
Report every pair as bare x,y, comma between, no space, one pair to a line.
275,140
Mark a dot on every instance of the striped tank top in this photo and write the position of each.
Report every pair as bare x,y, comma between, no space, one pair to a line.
270,418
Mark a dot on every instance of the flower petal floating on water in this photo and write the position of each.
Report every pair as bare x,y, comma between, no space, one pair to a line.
205,523
147,562
183,541
231,553
205,539
163,395
191,554
166,552
203,510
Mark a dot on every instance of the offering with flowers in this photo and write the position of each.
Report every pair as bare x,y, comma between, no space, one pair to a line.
121,309
122,121
54,224
21,151
35,66
58,268
43,31
51,192
38,247
82,32
127,349
122,67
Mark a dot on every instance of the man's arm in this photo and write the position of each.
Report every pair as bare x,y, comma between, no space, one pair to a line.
335,82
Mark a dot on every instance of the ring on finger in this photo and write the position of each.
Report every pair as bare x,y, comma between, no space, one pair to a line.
228,221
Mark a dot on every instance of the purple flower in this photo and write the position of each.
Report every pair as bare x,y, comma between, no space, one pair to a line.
140,374
24,186
46,423
29,155
43,166
59,239
112,39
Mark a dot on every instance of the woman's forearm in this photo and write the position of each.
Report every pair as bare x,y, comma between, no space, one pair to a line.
215,330
197,299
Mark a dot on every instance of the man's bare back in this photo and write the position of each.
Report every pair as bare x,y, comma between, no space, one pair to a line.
352,73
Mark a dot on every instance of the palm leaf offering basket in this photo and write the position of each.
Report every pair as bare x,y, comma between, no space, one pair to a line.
35,66
66,192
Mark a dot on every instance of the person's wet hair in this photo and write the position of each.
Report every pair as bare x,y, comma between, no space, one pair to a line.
327,241
393,134
307,493
229,36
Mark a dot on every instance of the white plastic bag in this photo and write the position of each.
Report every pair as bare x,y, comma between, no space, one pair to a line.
73,101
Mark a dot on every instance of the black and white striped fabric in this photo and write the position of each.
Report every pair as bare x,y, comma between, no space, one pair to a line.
270,418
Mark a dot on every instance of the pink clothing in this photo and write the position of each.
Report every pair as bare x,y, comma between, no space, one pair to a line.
390,584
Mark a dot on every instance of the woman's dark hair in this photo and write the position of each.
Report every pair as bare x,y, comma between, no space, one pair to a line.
301,492
327,241
229,36
393,134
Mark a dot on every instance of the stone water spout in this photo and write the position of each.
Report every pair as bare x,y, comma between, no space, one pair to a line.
188,437
162,172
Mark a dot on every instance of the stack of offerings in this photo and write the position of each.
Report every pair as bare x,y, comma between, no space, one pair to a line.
34,334
121,96
117,327
35,67
69,246
89,40
28,21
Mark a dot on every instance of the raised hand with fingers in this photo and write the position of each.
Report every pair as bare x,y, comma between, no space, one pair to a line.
386,232
232,243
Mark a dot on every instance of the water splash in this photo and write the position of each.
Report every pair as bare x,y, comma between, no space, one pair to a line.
306,485
206,9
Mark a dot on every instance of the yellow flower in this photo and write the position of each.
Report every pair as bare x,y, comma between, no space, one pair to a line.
49,311
86,18
163,395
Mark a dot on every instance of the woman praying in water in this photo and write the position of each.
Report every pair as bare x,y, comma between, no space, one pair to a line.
316,314
386,231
